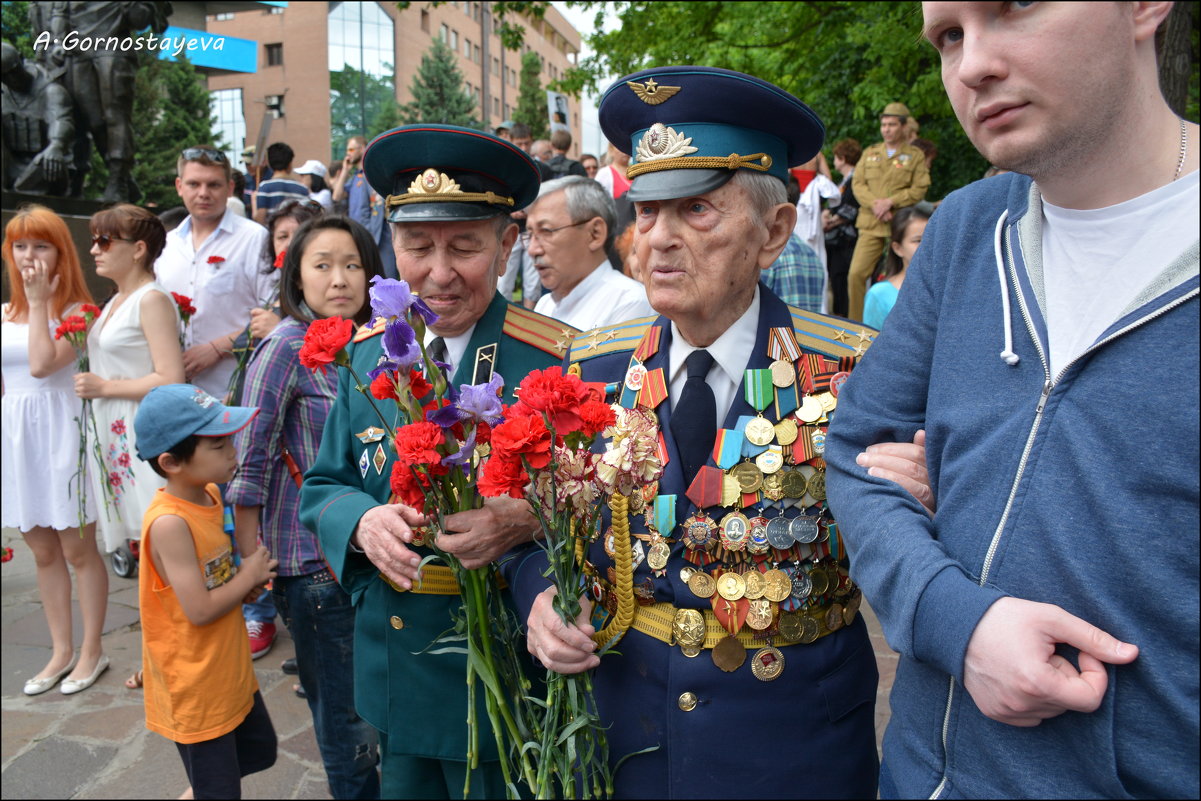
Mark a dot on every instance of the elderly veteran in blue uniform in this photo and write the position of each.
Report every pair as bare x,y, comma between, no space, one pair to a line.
449,193
746,666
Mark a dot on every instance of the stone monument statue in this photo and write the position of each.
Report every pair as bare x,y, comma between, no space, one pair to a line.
38,132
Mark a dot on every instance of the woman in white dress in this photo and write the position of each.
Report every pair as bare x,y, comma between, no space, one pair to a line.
41,443
133,347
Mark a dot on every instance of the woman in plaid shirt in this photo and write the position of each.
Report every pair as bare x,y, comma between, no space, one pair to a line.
326,271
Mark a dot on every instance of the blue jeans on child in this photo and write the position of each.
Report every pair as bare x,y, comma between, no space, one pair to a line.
320,617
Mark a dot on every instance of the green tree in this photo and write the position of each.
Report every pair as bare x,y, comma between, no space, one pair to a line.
438,93
531,97
172,109
361,104
15,24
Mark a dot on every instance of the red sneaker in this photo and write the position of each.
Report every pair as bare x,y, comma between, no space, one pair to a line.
262,637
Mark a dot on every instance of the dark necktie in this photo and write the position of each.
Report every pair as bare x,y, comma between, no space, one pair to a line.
437,350
694,418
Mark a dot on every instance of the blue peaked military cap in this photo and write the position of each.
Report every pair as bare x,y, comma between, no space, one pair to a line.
441,173
689,129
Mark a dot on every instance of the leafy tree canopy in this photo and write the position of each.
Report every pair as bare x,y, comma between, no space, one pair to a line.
531,98
438,93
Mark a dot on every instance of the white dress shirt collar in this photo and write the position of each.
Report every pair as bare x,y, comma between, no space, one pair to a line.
731,353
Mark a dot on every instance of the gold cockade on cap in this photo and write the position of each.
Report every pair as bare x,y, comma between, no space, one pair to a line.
432,182
652,93
663,142
433,185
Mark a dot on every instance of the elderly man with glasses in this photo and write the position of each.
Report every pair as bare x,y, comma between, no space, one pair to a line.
568,234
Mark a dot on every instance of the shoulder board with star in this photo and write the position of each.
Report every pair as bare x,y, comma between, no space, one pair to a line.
610,339
830,336
376,326
544,333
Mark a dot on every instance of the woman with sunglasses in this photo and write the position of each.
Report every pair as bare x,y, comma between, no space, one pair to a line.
326,272
133,347
41,443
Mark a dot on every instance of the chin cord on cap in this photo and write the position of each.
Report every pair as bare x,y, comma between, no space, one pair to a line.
1007,355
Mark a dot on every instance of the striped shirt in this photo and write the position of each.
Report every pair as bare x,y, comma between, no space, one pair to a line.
293,403
797,276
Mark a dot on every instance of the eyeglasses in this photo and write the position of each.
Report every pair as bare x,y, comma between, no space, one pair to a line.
194,153
544,234
105,241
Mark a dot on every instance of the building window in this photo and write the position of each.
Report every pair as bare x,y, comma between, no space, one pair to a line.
495,66
454,40
231,123
275,54
475,53
425,20
225,17
276,10
496,106
362,54
466,48
445,32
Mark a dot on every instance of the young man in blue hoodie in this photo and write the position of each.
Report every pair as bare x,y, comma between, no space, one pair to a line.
1047,341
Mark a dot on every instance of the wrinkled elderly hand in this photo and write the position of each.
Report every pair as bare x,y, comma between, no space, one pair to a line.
562,648
383,533
480,536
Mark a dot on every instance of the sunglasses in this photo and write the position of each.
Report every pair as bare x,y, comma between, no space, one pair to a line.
105,241
194,153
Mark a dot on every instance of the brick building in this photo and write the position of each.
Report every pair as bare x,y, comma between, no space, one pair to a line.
301,44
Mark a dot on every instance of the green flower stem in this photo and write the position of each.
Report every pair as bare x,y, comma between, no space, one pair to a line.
366,390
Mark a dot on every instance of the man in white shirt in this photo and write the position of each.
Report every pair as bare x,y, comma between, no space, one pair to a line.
570,229
216,258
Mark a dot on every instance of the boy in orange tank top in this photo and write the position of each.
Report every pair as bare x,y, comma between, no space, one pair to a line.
200,688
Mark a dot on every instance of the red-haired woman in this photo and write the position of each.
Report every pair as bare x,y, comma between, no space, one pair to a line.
41,443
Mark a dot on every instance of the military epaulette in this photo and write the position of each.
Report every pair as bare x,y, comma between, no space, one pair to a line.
366,332
830,336
544,333
624,336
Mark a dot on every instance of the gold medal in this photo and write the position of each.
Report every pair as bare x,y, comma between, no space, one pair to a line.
729,654
755,584
777,585
834,617
828,401
760,431
810,410
657,556
767,664
786,431
783,373
748,476
759,615
852,607
686,573
817,485
730,491
820,579
773,486
692,652
790,626
809,629
689,628
770,461
793,483
731,586
702,585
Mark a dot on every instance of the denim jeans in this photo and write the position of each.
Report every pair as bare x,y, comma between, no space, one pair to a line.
320,617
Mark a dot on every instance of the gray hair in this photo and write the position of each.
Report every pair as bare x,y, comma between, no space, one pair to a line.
585,199
765,191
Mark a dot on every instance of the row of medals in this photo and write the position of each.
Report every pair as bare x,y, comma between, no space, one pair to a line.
737,533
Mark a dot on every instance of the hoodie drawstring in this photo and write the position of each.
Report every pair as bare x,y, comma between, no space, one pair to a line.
1007,355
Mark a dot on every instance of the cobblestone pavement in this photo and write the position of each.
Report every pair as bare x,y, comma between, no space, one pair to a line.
95,744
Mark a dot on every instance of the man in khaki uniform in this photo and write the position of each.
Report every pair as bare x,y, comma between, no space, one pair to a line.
890,176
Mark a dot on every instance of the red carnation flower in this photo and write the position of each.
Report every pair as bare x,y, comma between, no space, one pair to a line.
418,385
90,311
407,486
186,309
279,258
383,387
556,395
502,476
596,417
416,444
324,342
523,436
216,259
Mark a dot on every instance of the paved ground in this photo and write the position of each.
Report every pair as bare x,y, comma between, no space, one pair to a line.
95,744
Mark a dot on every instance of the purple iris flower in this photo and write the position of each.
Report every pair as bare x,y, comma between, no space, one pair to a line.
445,417
426,312
400,343
480,401
390,297
385,365
463,456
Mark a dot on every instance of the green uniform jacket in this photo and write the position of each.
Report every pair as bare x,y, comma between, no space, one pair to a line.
904,178
420,699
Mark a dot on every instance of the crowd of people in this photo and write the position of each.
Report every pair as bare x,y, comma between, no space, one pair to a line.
951,375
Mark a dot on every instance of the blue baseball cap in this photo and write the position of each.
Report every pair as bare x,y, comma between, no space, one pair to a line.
444,173
689,129
173,412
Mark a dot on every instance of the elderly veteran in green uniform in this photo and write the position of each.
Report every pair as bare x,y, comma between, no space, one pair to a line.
746,666
449,192
890,175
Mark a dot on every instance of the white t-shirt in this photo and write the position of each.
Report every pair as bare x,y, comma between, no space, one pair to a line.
1096,261
604,297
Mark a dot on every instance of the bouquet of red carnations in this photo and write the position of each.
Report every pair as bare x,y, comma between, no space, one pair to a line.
544,451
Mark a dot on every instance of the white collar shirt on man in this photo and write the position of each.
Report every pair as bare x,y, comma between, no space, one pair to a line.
604,297
731,353
456,346
225,278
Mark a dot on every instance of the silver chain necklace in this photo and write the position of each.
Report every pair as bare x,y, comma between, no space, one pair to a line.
1183,149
